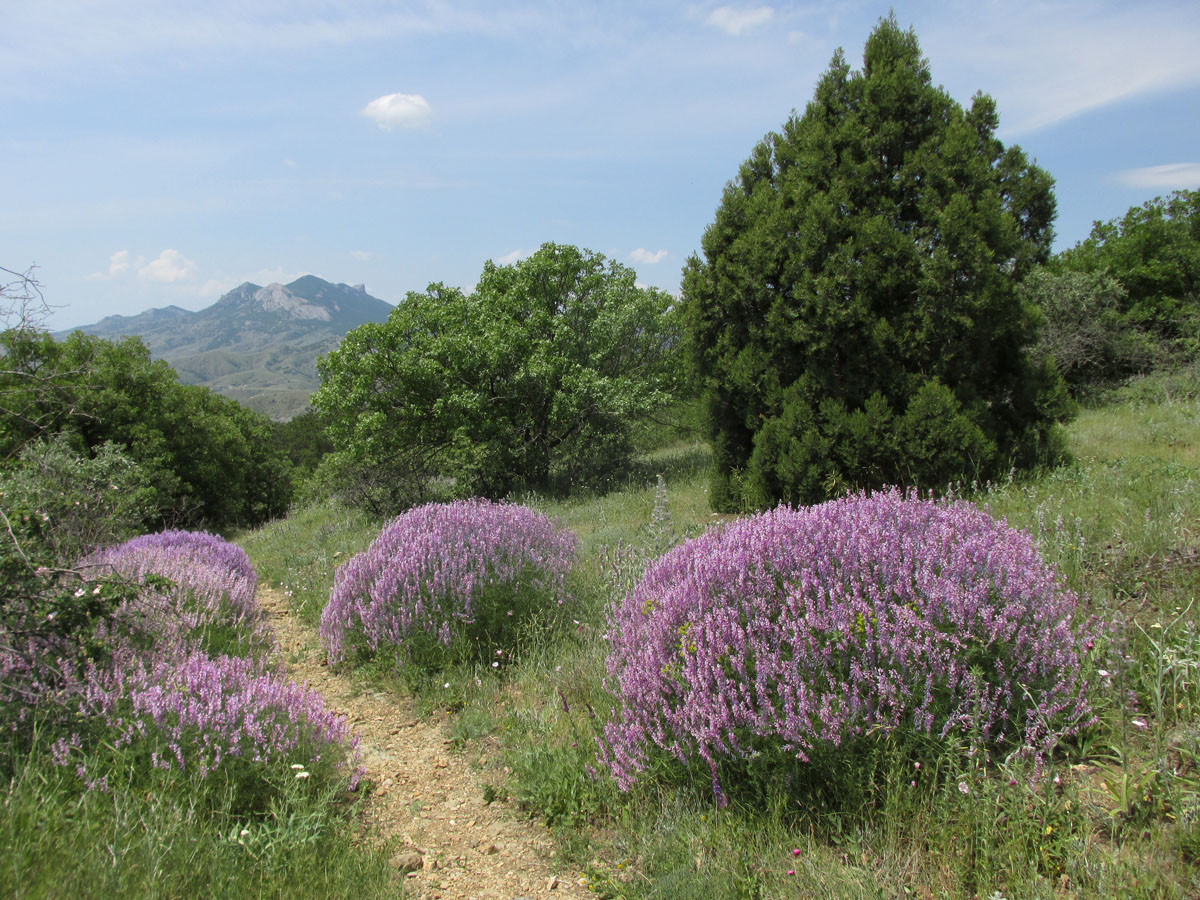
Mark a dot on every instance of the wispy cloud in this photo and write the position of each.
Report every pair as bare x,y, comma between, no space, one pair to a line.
1052,63
642,255
737,20
398,111
169,267
362,255
1169,177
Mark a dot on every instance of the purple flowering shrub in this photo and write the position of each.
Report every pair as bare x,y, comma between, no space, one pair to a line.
803,629
207,598
449,579
168,698
229,718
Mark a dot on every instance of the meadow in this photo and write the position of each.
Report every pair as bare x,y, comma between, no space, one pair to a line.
1114,811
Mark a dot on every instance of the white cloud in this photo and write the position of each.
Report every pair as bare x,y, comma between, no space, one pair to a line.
290,163
118,264
398,111
642,255
170,267
362,255
734,21
1169,177
509,258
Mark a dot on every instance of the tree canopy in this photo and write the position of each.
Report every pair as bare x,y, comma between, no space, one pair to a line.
1154,252
534,380
855,316
208,459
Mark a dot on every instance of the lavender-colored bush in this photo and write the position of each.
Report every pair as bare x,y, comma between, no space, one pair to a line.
199,712
806,628
442,572
165,692
211,592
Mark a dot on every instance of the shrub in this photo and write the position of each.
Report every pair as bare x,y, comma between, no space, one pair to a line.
197,588
463,576
204,715
803,629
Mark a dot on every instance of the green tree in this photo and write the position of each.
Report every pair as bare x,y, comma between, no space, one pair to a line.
534,380
208,460
1083,330
855,317
1154,252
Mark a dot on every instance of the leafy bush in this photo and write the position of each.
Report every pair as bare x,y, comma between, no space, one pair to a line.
1083,331
535,380
204,457
464,577
56,504
803,629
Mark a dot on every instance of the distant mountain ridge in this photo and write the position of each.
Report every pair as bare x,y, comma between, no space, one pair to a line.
258,345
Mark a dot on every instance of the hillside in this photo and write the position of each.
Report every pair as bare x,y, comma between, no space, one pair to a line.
257,345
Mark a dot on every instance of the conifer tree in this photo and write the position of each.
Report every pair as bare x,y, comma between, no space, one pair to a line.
855,317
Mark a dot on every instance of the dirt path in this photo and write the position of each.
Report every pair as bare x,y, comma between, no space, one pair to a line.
450,843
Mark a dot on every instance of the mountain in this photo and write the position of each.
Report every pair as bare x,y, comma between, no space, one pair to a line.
258,345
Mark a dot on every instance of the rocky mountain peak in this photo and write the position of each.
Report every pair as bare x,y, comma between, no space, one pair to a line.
277,298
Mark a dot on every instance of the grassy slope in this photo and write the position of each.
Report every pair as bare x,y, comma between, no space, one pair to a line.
1122,820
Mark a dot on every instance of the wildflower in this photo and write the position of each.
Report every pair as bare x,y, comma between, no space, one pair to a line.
963,788
1138,723
302,774
297,766
446,685
791,871
796,851
495,665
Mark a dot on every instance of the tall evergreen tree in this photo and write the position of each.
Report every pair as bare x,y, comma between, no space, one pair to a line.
855,317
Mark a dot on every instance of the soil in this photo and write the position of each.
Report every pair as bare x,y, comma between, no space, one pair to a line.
427,800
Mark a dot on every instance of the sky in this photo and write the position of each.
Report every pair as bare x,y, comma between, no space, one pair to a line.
161,153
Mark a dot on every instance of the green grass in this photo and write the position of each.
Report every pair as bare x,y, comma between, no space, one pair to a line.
157,833
1122,819
1117,814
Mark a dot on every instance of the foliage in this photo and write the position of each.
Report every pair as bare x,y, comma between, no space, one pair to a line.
302,439
885,224
534,380
1082,330
465,576
800,629
77,502
55,505
1154,252
206,458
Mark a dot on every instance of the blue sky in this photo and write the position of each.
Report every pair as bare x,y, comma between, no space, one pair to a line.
162,153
